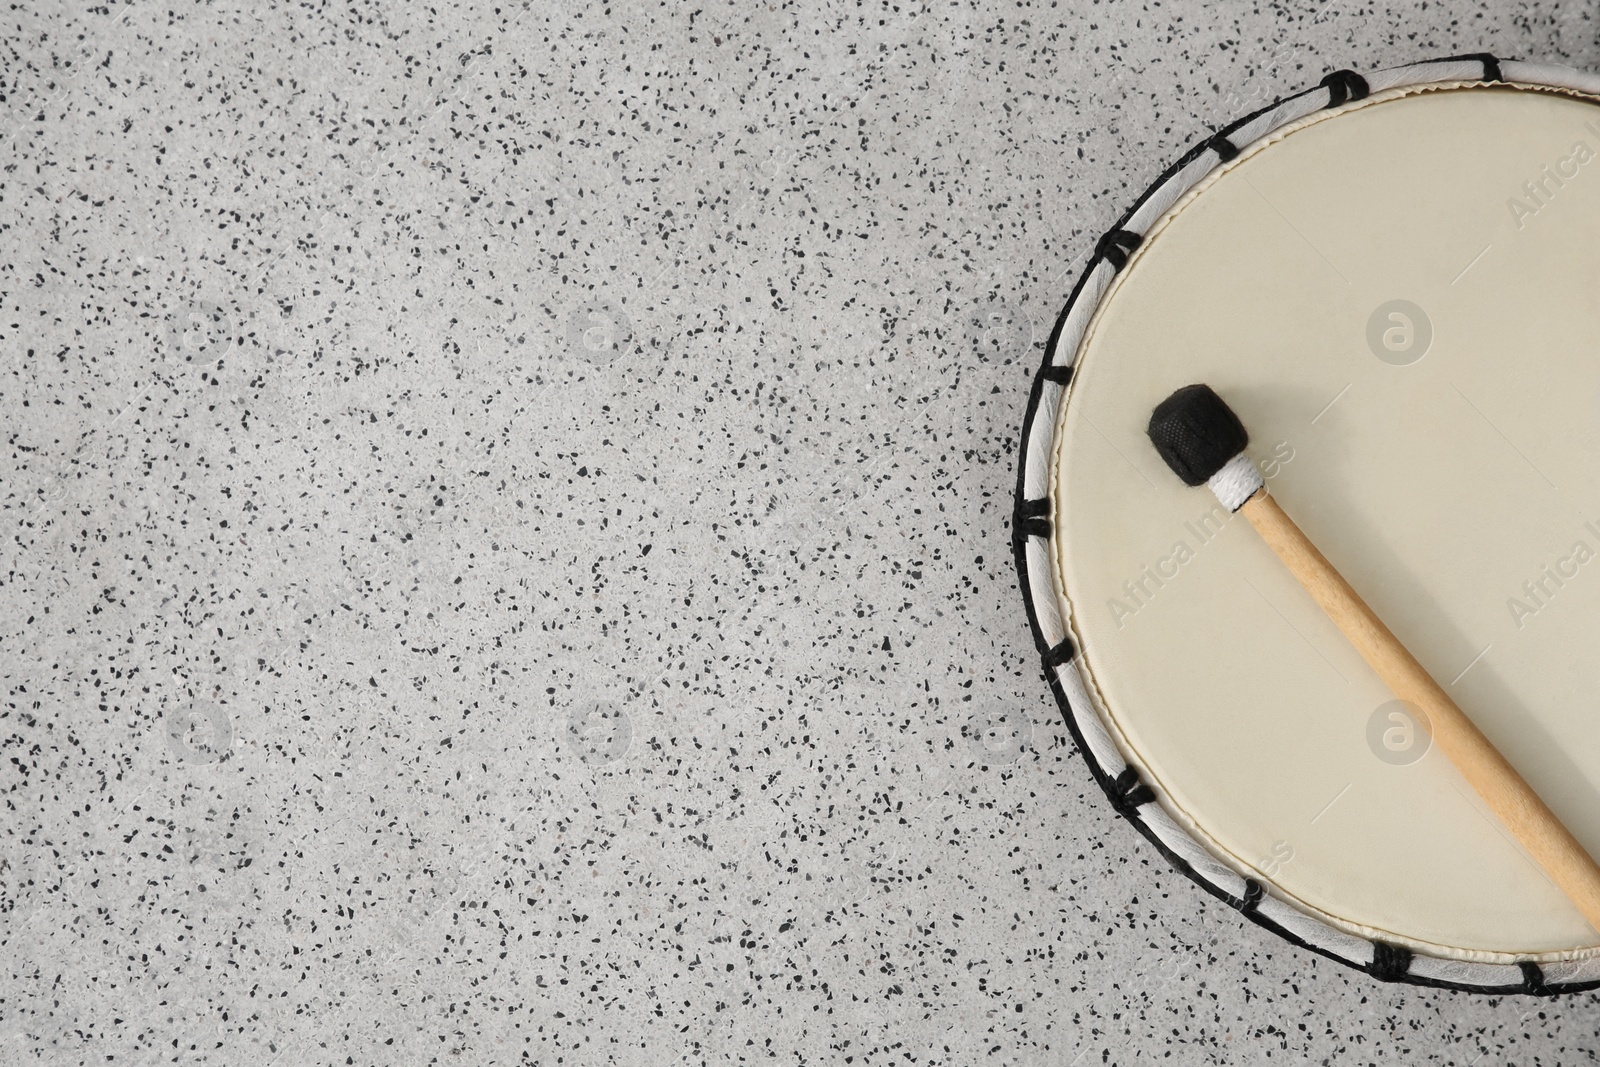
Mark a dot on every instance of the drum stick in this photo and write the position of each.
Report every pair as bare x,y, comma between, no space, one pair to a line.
1203,441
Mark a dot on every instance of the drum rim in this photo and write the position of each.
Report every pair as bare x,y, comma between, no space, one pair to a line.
1033,544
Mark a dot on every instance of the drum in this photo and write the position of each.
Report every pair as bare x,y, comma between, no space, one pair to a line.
1395,281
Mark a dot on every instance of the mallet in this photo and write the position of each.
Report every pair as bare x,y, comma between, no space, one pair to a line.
1203,442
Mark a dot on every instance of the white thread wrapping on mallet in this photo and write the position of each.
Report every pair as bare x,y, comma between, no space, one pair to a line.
1236,482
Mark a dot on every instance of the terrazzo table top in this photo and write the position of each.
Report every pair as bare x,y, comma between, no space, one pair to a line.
506,539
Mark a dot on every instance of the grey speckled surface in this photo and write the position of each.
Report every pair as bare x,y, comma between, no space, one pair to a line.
506,538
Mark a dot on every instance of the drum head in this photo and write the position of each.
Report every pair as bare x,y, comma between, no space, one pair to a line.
1398,290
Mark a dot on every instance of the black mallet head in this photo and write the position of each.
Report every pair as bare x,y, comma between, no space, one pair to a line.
1203,442
1196,433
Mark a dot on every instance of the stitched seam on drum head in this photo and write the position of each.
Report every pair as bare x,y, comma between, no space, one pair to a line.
1336,924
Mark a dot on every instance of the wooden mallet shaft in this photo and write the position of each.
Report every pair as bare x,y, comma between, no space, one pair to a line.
1192,430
